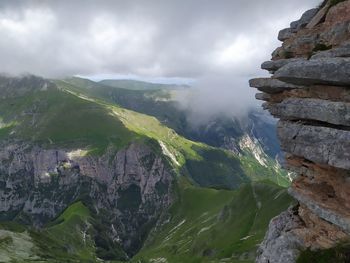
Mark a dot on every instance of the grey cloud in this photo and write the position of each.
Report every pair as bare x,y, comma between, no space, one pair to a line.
200,39
164,38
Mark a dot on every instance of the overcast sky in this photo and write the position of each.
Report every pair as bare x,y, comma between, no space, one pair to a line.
195,39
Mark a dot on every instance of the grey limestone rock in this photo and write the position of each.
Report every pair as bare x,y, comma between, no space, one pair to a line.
304,20
285,34
319,144
274,65
280,244
343,51
328,71
337,113
40,183
271,86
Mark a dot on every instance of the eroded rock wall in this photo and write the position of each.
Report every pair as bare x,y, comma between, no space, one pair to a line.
309,92
128,187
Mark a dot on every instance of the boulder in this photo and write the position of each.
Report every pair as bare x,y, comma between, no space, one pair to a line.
273,65
343,51
323,145
263,96
270,85
328,71
285,34
337,113
304,20
338,13
281,244
319,17
342,220
336,35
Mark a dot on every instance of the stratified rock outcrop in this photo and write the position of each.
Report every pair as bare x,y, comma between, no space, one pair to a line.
129,187
309,92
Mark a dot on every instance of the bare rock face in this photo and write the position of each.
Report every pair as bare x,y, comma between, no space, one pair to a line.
19,86
310,94
131,186
280,242
328,71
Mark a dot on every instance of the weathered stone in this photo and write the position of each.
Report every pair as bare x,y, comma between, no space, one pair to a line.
31,172
262,96
301,46
338,13
319,144
319,207
285,34
274,65
335,35
19,86
281,244
343,51
318,233
323,92
277,53
304,20
337,113
329,71
271,86
319,17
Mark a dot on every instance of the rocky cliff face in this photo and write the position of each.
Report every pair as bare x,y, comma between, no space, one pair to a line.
309,92
127,188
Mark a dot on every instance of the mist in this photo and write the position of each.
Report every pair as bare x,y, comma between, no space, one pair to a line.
214,96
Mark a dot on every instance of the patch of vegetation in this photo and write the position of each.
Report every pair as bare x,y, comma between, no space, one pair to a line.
129,198
321,47
339,254
70,233
207,225
106,248
287,54
331,3
335,2
217,169
270,171
55,118
77,235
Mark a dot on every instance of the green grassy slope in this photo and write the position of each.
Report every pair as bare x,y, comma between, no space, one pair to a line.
199,162
57,118
74,236
209,225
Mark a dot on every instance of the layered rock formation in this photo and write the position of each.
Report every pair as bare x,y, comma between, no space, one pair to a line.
129,188
309,92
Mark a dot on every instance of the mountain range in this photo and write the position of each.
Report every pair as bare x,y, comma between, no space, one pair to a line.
114,171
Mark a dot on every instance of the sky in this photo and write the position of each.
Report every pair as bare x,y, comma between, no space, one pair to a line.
218,44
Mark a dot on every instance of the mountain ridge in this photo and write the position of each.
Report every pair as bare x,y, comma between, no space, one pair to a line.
101,158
